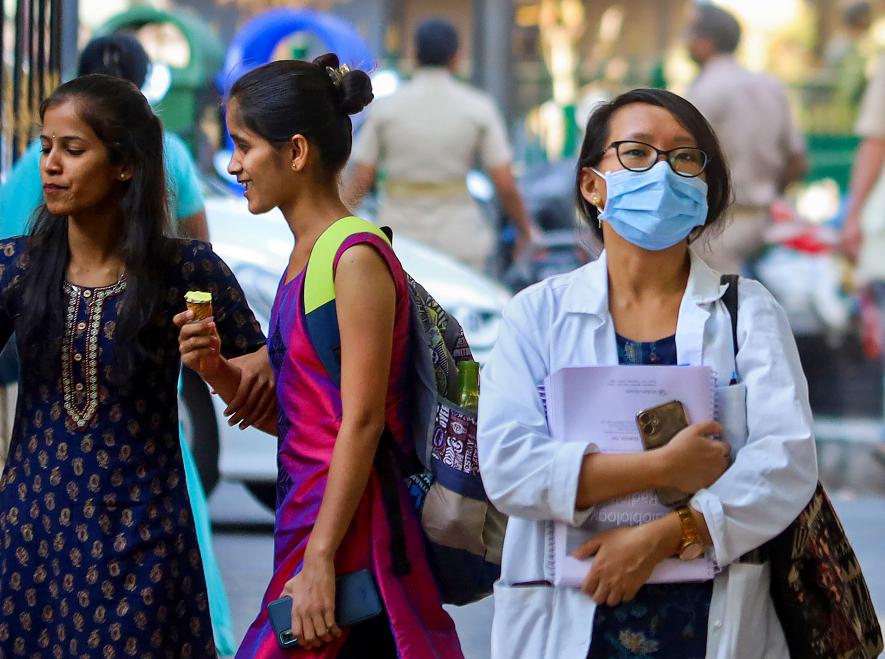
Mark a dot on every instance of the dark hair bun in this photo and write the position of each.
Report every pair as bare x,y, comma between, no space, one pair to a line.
356,91
354,88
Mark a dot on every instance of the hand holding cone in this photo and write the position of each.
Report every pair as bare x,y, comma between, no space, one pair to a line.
200,304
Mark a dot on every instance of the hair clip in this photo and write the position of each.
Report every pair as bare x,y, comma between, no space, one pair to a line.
337,75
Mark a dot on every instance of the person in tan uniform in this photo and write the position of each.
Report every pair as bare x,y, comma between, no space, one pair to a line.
751,117
863,232
425,138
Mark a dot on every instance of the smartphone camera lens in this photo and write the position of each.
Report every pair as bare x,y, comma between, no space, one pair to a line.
643,418
287,635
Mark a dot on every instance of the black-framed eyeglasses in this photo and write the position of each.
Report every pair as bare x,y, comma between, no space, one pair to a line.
687,161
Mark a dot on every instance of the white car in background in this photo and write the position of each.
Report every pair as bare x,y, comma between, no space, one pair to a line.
257,248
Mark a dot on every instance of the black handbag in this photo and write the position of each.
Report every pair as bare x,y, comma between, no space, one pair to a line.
817,585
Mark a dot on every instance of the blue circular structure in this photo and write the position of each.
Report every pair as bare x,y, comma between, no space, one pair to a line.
255,43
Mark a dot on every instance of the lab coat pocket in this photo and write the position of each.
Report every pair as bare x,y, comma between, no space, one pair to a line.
522,621
731,406
751,628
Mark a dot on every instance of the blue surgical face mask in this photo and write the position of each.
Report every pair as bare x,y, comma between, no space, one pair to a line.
654,209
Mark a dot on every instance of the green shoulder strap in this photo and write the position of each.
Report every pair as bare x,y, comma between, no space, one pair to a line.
319,280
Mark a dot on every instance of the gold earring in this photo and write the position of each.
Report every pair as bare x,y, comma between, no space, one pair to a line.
122,175
595,199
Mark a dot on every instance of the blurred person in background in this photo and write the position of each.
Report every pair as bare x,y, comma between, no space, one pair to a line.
425,139
845,57
751,116
863,234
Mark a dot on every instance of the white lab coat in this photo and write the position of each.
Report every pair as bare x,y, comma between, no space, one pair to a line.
564,321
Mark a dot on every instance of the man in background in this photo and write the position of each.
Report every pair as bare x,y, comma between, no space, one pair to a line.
751,116
425,138
863,233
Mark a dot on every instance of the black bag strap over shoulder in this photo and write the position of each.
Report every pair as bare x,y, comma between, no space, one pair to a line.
730,299
386,464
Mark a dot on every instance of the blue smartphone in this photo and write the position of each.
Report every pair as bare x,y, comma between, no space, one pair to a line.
356,600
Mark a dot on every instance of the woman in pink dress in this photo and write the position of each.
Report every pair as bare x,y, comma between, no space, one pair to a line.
291,128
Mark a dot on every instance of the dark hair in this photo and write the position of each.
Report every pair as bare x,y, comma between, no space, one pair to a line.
857,15
123,120
596,139
119,55
292,97
436,42
717,25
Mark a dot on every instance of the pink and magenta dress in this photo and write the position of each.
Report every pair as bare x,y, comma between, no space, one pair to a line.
309,419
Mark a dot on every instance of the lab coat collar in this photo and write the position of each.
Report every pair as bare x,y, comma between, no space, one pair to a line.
588,290
587,293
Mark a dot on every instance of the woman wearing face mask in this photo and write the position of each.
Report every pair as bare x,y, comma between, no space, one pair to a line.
651,179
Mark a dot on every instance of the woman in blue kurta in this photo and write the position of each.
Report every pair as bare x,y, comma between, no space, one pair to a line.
121,55
99,555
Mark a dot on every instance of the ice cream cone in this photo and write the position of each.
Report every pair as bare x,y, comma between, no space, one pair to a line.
200,303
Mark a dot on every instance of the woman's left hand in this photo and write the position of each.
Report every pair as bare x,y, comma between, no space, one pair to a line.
623,560
313,603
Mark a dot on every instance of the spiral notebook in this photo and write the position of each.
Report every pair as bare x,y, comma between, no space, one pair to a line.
599,404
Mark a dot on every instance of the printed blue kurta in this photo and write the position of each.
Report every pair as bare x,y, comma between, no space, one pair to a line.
99,555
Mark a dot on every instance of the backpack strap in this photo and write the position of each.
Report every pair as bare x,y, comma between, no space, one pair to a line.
321,316
730,299
387,466
319,286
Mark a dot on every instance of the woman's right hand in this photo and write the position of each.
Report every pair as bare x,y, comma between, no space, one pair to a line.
313,602
199,344
851,237
692,460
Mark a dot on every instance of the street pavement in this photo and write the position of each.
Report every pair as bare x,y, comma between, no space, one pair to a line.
244,542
